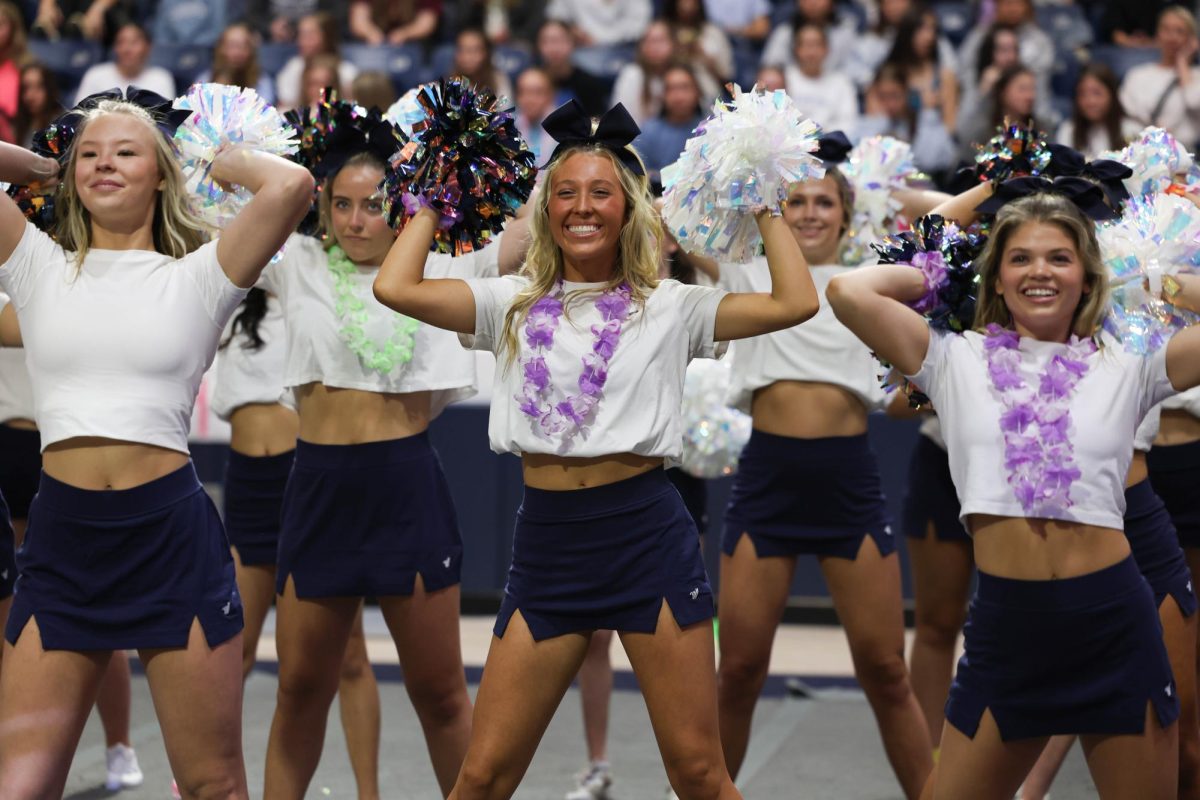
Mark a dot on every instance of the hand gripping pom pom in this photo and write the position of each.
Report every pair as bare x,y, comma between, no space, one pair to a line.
740,161
223,116
1156,236
1156,159
875,168
713,433
1015,151
467,161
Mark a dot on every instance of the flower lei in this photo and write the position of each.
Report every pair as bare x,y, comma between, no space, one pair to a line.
1041,467
352,311
569,415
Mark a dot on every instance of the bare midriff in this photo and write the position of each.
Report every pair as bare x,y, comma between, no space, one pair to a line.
20,423
96,463
558,473
353,416
1137,470
1177,427
263,429
1042,549
805,410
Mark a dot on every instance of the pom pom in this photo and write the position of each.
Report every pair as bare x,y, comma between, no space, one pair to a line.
1156,159
945,254
1015,151
223,116
876,167
467,161
408,114
713,433
741,160
36,201
1156,236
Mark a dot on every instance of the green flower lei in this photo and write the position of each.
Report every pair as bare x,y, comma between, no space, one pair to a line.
352,312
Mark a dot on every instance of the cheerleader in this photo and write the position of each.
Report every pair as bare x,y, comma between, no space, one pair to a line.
367,509
1062,635
249,386
602,540
1174,466
120,316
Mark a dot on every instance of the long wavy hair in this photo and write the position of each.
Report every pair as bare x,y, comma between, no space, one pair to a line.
1048,209
638,250
177,231
246,75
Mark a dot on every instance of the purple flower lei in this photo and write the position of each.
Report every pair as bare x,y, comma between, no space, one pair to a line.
569,415
1041,466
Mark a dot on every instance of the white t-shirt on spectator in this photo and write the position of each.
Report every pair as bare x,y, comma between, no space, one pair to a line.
830,100
841,35
102,77
606,21
1180,114
735,16
287,81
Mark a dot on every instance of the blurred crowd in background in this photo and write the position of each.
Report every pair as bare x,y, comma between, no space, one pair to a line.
941,76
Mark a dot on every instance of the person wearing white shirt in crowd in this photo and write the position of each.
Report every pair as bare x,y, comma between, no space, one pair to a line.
749,19
602,22
873,45
534,102
131,50
1098,122
841,33
1035,48
820,92
639,84
316,34
700,41
1167,93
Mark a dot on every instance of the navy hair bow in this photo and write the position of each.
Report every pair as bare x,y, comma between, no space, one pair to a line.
357,133
54,141
1067,162
833,147
1083,193
570,126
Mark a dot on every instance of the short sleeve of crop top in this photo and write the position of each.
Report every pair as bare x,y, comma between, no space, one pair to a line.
33,254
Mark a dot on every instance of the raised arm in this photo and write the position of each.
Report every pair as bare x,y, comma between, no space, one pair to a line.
401,284
514,244
919,202
282,195
793,297
20,166
960,208
870,301
1183,351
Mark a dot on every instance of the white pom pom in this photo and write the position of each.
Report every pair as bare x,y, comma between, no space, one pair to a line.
1157,160
713,433
875,168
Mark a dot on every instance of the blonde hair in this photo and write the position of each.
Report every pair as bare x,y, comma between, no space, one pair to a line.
1182,13
1047,209
638,250
17,49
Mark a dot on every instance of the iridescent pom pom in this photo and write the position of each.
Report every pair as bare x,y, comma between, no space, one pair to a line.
1157,235
1015,151
713,433
467,161
876,167
1156,159
223,116
740,161
408,114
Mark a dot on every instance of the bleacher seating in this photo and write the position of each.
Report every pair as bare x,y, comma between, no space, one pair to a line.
272,56
605,61
955,20
184,61
1123,59
1067,26
67,59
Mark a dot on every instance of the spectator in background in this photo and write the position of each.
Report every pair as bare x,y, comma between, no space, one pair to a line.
1098,122
998,50
131,50
1013,100
826,96
534,102
97,20
888,112
473,60
316,34
503,21
1131,23
39,105
841,32
197,22
373,89
701,43
1035,48
394,22
748,19
639,84
554,47
320,73
235,62
276,20
771,78
13,55
916,52
1167,93
602,22
663,137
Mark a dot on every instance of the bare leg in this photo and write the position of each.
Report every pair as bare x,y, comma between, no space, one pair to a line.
1038,782
256,585
523,683
985,767
424,627
595,691
358,702
1143,766
202,729
113,700
866,595
753,593
1179,635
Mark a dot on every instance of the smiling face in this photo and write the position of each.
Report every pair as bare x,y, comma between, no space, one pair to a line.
586,211
816,215
1041,280
117,173
356,214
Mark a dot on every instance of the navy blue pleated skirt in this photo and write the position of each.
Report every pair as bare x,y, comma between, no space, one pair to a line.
363,520
807,497
123,569
1175,475
931,497
1079,655
8,556
1156,548
605,558
254,488
20,468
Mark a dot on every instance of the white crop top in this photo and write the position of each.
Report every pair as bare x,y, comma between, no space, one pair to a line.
317,353
1188,401
1106,407
931,429
821,350
118,350
639,409
1143,440
245,375
16,394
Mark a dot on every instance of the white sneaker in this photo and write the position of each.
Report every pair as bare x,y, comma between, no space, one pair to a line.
123,769
592,783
